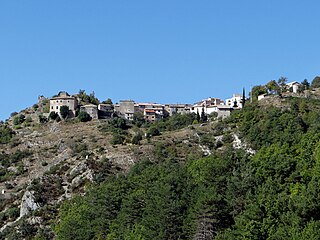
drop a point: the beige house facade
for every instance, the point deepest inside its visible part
(63, 99)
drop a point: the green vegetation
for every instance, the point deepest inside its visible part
(227, 195)
(53, 115)
(315, 82)
(6, 134)
(84, 117)
(88, 99)
(64, 111)
(19, 119)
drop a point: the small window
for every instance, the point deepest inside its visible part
(57, 107)
(57, 101)
(52, 107)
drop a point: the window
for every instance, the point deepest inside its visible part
(57, 107)
(52, 107)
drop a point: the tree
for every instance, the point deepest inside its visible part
(153, 131)
(84, 117)
(273, 87)
(53, 116)
(64, 111)
(305, 84)
(108, 101)
(315, 82)
(203, 116)
(243, 97)
(258, 90)
(198, 116)
(282, 83)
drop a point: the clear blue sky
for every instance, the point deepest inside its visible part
(167, 51)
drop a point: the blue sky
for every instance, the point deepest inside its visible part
(168, 51)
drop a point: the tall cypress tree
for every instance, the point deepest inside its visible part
(243, 97)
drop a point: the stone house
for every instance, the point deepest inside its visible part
(105, 110)
(126, 109)
(177, 108)
(64, 99)
(153, 114)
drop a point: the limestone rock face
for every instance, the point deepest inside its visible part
(28, 203)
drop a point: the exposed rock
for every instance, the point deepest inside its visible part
(28, 203)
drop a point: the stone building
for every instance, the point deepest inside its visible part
(105, 110)
(64, 99)
(91, 109)
(177, 108)
(126, 109)
(153, 114)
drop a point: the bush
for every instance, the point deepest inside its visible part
(315, 82)
(117, 139)
(53, 115)
(153, 131)
(84, 117)
(13, 114)
(43, 119)
(6, 134)
(13, 213)
(19, 119)
(136, 138)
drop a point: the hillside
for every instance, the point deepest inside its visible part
(254, 175)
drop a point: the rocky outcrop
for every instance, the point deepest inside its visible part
(28, 203)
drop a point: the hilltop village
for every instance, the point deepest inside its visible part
(150, 111)
(128, 108)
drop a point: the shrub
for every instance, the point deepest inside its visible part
(53, 115)
(117, 139)
(6, 134)
(153, 131)
(19, 119)
(84, 117)
(13, 114)
(13, 213)
(136, 138)
(43, 119)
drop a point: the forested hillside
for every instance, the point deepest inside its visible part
(229, 194)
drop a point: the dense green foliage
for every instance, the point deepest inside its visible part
(19, 119)
(273, 194)
(84, 117)
(64, 111)
(315, 82)
(6, 134)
